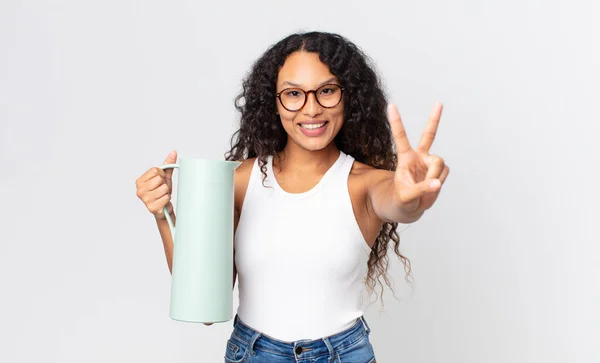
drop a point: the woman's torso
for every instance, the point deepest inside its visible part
(301, 257)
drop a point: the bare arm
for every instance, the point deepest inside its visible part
(383, 200)
(242, 176)
(167, 239)
(236, 219)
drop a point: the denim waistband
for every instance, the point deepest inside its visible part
(305, 348)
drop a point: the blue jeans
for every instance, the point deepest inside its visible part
(349, 346)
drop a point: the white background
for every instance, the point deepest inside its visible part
(92, 94)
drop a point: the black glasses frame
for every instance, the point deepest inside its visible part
(306, 93)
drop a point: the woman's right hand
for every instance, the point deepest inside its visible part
(154, 188)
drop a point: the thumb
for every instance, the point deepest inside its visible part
(171, 158)
(420, 189)
(427, 186)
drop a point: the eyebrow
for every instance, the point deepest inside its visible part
(332, 79)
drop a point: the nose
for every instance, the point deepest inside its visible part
(312, 107)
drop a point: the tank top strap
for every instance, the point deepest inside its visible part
(345, 167)
(339, 183)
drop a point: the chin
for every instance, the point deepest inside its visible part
(314, 145)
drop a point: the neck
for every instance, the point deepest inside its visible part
(304, 160)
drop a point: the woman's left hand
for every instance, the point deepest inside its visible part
(419, 176)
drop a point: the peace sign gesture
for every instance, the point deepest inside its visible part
(419, 176)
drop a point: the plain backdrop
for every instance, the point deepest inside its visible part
(506, 264)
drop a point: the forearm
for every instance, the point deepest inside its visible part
(386, 206)
(167, 239)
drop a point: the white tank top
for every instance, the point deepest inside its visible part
(301, 257)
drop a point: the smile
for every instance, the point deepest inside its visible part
(313, 126)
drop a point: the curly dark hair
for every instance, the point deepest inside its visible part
(365, 134)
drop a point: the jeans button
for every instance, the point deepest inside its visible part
(298, 350)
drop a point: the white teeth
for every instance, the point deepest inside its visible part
(312, 126)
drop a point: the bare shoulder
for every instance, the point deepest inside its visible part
(245, 168)
(366, 175)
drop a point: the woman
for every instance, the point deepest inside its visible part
(318, 198)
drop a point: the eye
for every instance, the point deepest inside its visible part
(292, 93)
(328, 90)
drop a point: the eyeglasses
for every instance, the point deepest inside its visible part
(328, 96)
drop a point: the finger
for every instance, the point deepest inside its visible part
(431, 129)
(152, 172)
(156, 207)
(435, 167)
(149, 174)
(412, 192)
(152, 196)
(155, 182)
(398, 131)
(429, 199)
(171, 159)
(444, 174)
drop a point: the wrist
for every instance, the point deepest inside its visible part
(162, 217)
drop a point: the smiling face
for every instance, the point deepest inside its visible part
(312, 127)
